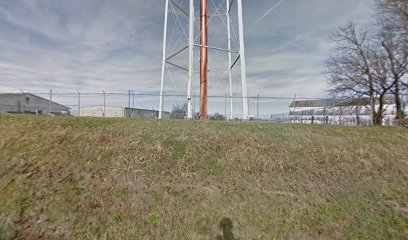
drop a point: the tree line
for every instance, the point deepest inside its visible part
(372, 61)
(179, 111)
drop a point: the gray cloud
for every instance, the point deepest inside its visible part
(116, 45)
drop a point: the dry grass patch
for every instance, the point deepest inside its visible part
(80, 178)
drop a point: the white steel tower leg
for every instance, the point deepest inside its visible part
(164, 58)
(190, 62)
(243, 67)
(229, 56)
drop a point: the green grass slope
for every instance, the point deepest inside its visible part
(81, 178)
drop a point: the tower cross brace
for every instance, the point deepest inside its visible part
(204, 47)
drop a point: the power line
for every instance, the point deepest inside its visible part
(125, 94)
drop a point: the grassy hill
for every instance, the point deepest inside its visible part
(82, 178)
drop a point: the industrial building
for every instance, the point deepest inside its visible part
(120, 112)
(351, 112)
(28, 103)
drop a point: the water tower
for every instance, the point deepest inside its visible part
(189, 55)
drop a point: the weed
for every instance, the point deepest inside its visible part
(38, 228)
(178, 147)
(97, 231)
(118, 217)
(154, 219)
(7, 232)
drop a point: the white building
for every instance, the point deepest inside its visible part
(102, 111)
(352, 112)
(119, 112)
(28, 103)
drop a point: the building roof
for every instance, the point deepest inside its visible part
(32, 95)
(121, 107)
(331, 103)
(101, 106)
(389, 99)
(142, 109)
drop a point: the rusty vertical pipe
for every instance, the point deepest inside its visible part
(203, 59)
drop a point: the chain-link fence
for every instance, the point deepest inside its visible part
(222, 107)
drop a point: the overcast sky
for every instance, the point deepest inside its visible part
(116, 45)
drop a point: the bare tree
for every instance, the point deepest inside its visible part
(392, 18)
(179, 111)
(395, 9)
(218, 117)
(359, 67)
(350, 74)
(383, 83)
(396, 51)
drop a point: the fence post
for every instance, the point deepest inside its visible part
(257, 107)
(341, 114)
(294, 111)
(104, 103)
(225, 107)
(79, 103)
(129, 99)
(50, 101)
(334, 111)
(133, 99)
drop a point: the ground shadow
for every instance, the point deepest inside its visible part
(226, 226)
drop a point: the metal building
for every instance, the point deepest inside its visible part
(28, 103)
(120, 112)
